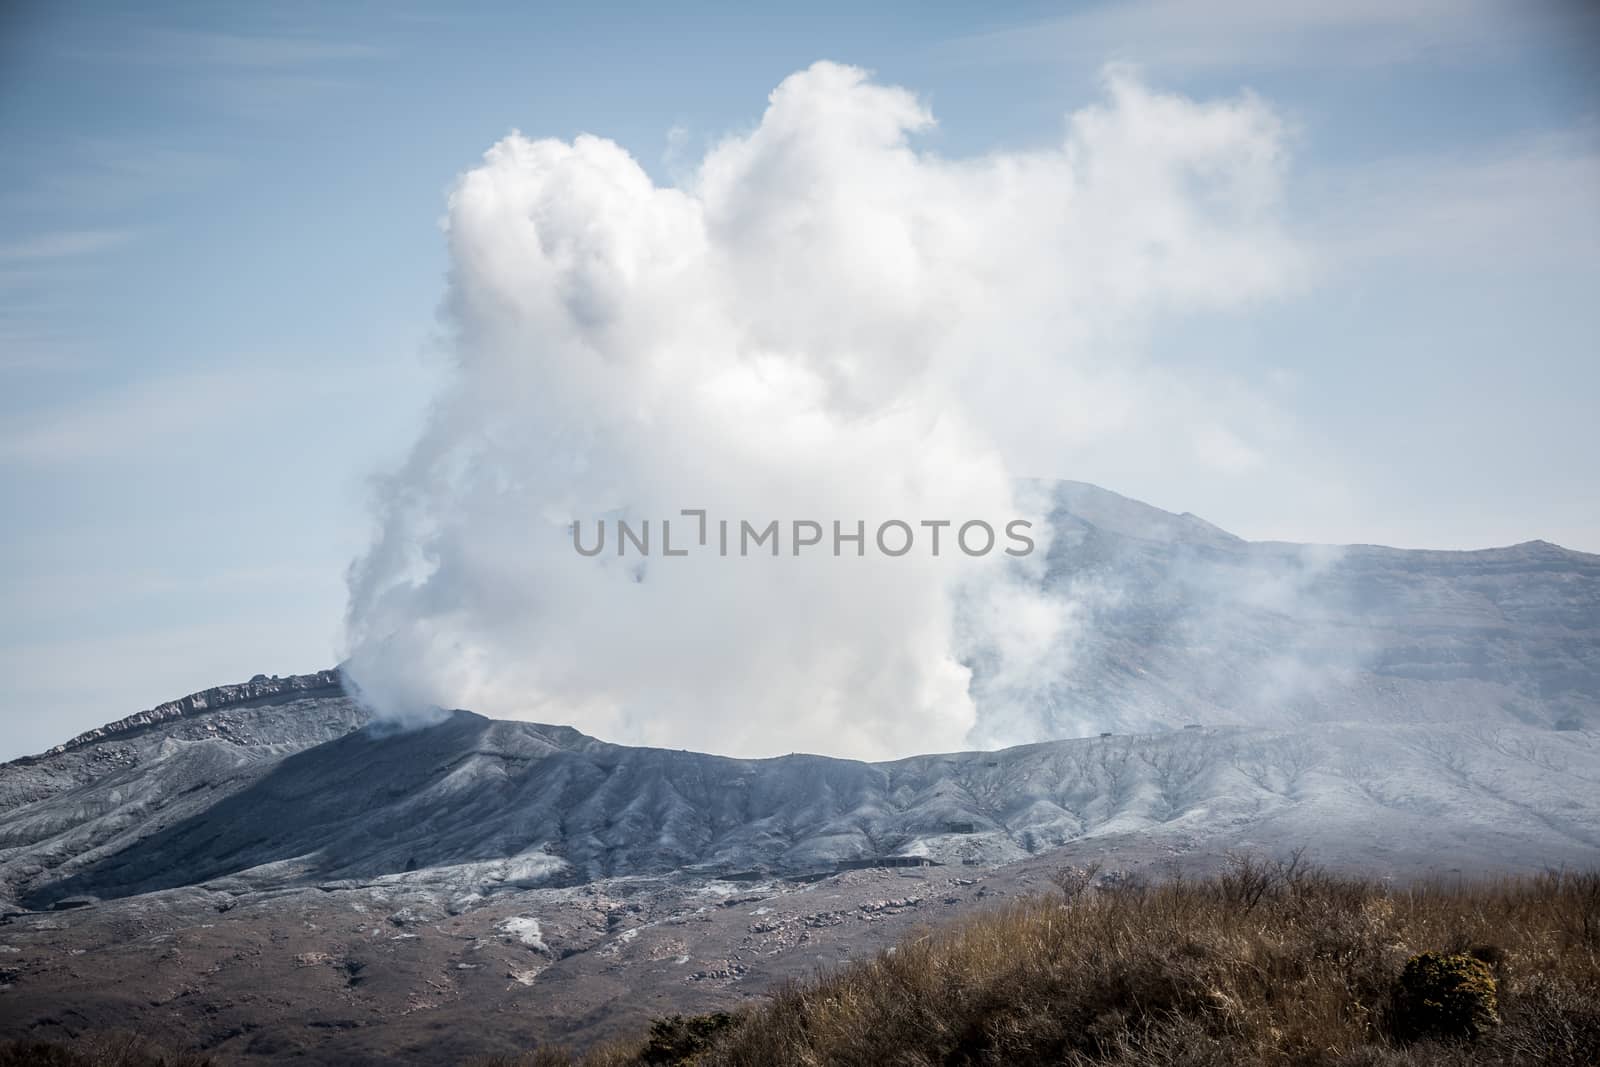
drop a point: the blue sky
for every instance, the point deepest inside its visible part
(220, 264)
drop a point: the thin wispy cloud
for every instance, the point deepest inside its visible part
(31, 262)
(268, 97)
(1236, 35)
(142, 420)
(178, 47)
(257, 50)
(248, 74)
(31, 347)
(1531, 200)
(130, 422)
(112, 182)
(62, 244)
(126, 168)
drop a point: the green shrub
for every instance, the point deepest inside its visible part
(1442, 995)
(679, 1039)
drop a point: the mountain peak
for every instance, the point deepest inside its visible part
(1123, 515)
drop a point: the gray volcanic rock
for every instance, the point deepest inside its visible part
(1338, 685)
(93, 753)
(485, 804)
(257, 689)
(114, 786)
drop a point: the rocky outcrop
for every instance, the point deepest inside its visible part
(261, 687)
(126, 779)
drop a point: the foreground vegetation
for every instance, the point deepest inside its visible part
(1267, 963)
(98, 1050)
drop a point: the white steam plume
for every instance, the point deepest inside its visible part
(823, 323)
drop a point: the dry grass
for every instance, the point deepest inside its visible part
(1265, 964)
(98, 1050)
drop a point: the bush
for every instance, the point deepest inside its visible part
(682, 1039)
(1441, 995)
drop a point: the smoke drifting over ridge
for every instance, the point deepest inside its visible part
(824, 323)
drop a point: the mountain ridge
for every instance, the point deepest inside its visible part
(1281, 653)
(259, 687)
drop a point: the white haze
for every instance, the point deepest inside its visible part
(823, 322)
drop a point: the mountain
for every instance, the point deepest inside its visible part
(104, 791)
(1181, 622)
(481, 803)
(262, 870)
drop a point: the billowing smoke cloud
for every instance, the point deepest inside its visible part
(824, 323)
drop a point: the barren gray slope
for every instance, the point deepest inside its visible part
(110, 788)
(467, 794)
(92, 754)
(1182, 622)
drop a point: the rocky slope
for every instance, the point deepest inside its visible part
(486, 804)
(1366, 684)
(108, 789)
(481, 886)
